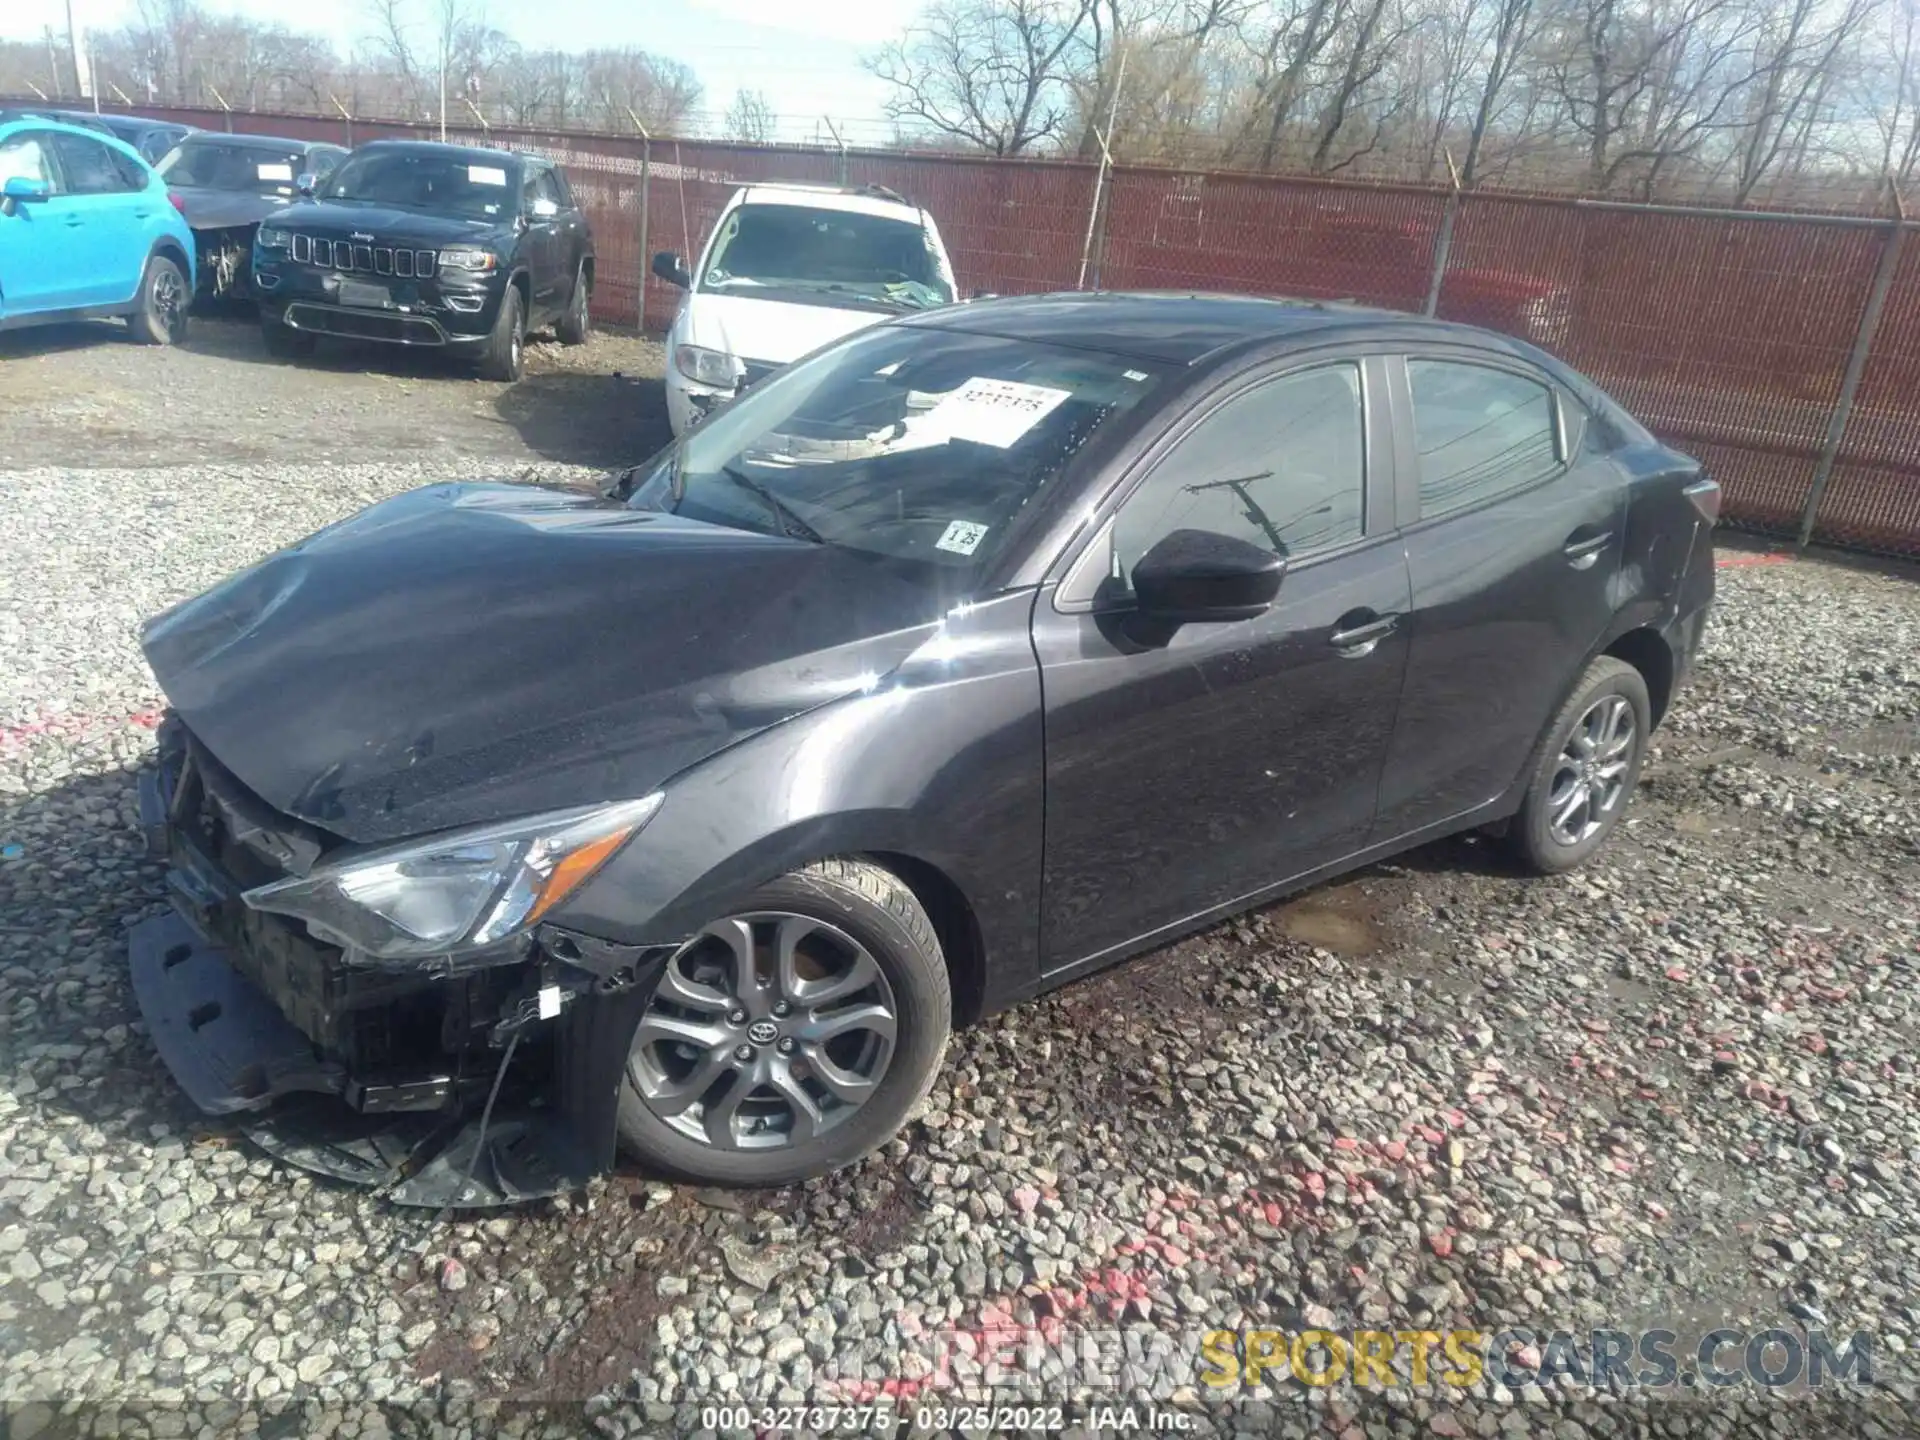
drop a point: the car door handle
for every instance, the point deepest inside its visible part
(1581, 552)
(1357, 640)
(75, 220)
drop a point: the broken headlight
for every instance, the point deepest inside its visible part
(455, 893)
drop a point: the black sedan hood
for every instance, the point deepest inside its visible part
(383, 222)
(221, 209)
(467, 653)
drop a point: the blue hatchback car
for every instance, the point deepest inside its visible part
(87, 229)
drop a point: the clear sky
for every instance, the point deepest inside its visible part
(803, 54)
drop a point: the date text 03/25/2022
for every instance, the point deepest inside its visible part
(882, 1418)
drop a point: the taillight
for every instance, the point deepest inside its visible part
(174, 200)
(1705, 495)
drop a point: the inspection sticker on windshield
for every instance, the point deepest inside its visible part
(275, 172)
(963, 537)
(993, 412)
(486, 175)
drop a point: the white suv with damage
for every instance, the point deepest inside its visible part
(787, 269)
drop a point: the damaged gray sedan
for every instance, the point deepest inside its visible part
(969, 655)
(225, 185)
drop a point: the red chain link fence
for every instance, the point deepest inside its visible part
(1731, 334)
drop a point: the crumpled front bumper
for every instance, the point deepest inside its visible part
(236, 1055)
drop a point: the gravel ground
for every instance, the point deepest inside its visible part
(1674, 1090)
(222, 399)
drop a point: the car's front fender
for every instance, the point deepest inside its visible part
(940, 761)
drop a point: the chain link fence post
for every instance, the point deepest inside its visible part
(646, 192)
(1443, 242)
(1102, 217)
(1856, 366)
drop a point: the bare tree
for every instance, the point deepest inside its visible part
(750, 117)
(1893, 99)
(393, 40)
(1510, 34)
(616, 84)
(1797, 53)
(29, 65)
(991, 73)
(1294, 41)
(1368, 49)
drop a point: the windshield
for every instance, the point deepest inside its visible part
(827, 253)
(214, 165)
(912, 443)
(421, 180)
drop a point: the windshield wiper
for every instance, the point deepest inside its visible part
(790, 524)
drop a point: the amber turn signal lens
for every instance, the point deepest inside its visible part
(574, 869)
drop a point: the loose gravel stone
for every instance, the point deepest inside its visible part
(1676, 1088)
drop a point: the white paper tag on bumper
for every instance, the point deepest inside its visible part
(549, 1001)
(963, 537)
(993, 412)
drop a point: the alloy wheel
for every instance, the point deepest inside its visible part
(1590, 779)
(767, 1030)
(165, 302)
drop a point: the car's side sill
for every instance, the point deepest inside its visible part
(31, 318)
(1498, 808)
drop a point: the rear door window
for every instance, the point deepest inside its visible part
(1480, 433)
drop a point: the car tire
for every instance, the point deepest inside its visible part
(286, 343)
(719, 1109)
(159, 314)
(1584, 769)
(505, 355)
(577, 322)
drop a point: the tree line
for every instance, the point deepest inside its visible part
(179, 52)
(1747, 100)
(1744, 99)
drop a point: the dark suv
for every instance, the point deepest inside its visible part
(420, 244)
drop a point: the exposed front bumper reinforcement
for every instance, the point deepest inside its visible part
(237, 1055)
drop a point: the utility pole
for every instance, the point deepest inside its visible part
(82, 67)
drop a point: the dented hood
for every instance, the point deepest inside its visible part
(468, 653)
(207, 209)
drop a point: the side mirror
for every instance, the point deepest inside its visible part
(306, 182)
(21, 187)
(672, 269)
(1196, 576)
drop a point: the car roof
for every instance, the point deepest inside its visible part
(1185, 328)
(130, 122)
(40, 120)
(1169, 327)
(436, 147)
(256, 142)
(831, 197)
